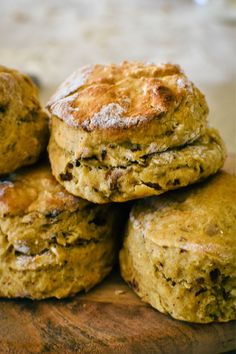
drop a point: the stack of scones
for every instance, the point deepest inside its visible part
(117, 133)
(52, 244)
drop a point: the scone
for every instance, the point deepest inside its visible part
(127, 131)
(51, 243)
(23, 123)
(179, 253)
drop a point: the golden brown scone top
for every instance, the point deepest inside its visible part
(34, 189)
(117, 97)
(200, 218)
(18, 90)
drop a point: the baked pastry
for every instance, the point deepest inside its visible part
(115, 128)
(179, 253)
(51, 243)
(23, 123)
(150, 175)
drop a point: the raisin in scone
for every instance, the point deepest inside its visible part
(120, 132)
(179, 252)
(23, 123)
(52, 244)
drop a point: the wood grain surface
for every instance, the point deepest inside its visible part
(109, 319)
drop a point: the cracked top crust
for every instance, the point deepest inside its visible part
(35, 190)
(129, 95)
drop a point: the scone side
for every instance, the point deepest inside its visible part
(152, 175)
(78, 268)
(52, 245)
(18, 154)
(24, 124)
(206, 296)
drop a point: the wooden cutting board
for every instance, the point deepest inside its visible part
(109, 319)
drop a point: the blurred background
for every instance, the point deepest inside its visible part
(50, 39)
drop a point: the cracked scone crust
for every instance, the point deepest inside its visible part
(118, 178)
(179, 253)
(51, 243)
(133, 102)
(23, 123)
